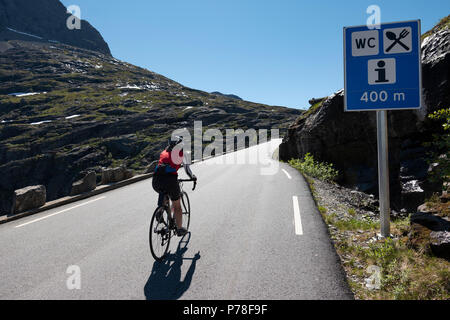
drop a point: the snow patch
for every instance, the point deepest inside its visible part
(40, 122)
(151, 86)
(23, 94)
(131, 87)
(73, 117)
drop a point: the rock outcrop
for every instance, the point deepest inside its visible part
(46, 20)
(88, 183)
(112, 175)
(349, 141)
(28, 198)
(430, 231)
(232, 96)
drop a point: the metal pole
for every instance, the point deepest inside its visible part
(383, 173)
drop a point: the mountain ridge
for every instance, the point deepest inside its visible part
(46, 19)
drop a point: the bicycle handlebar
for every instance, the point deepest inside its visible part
(189, 180)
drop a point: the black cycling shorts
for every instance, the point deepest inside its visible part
(167, 184)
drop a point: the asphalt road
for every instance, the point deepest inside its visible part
(252, 236)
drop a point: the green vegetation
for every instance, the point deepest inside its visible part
(435, 204)
(405, 273)
(312, 109)
(322, 210)
(316, 169)
(444, 23)
(441, 145)
(356, 224)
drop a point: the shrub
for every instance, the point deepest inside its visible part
(441, 144)
(316, 169)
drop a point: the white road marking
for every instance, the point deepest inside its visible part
(297, 218)
(54, 214)
(287, 174)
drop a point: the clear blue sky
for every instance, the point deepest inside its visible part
(277, 52)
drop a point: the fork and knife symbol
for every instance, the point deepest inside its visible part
(397, 40)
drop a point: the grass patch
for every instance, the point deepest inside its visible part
(435, 204)
(316, 169)
(356, 224)
(443, 23)
(403, 273)
(312, 109)
(322, 210)
(351, 212)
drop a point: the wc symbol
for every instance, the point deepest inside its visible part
(382, 71)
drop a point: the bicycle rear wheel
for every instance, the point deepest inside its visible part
(186, 209)
(159, 234)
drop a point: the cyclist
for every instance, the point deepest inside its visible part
(165, 179)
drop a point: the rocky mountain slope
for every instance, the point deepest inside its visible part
(232, 96)
(46, 20)
(66, 110)
(348, 140)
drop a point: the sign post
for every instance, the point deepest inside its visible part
(383, 172)
(383, 72)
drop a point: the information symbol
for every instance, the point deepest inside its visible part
(382, 71)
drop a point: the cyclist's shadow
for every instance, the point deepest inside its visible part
(165, 281)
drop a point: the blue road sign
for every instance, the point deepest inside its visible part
(383, 67)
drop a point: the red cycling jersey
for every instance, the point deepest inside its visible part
(166, 158)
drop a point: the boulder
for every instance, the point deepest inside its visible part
(430, 232)
(440, 243)
(313, 101)
(112, 175)
(88, 183)
(28, 198)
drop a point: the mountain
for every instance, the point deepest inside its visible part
(349, 139)
(66, 110)
(232, 96)
(46, 20)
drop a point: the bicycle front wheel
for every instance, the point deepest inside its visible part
(159, 234)
(186, 209)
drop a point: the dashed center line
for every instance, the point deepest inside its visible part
(287, 174)
(297, 217)
(54, 214)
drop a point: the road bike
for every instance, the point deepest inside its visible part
(163, 226)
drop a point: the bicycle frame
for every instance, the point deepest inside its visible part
(169, 228)
(167, 203)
